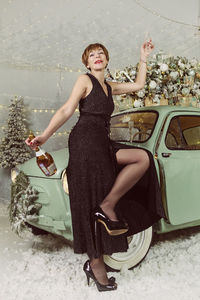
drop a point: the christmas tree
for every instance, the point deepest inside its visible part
(13, 149)
(23, 206)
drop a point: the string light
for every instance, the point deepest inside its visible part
(21, 15)
(163, 17)
(55, 134)
(45, 36)
(41, 67)
(19, 64)
(35, 110)
(39, 21)
(40, 99)
(3, 106)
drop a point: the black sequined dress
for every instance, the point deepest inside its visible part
(91, 172)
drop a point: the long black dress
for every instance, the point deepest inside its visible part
(91, 172)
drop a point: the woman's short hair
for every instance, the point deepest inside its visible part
(90, 48)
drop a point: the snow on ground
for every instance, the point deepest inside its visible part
(45, 268)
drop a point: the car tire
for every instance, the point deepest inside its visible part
(139, 245)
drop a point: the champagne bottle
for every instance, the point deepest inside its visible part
(44, 160)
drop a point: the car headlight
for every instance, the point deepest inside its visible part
(64, 182)
(14, 173)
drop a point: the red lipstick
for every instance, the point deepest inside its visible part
(98, 61)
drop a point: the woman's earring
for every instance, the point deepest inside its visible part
(109, 74)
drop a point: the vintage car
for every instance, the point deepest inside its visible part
(172, 134)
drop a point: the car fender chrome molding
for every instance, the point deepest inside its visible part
(65, 182)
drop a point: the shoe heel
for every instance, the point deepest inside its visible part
(112, 227)
(88, 279)
(101, 287)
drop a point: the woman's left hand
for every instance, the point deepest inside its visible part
(146, 49)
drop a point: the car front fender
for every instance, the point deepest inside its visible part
(31, 168)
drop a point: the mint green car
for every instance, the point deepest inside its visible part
(172, 134)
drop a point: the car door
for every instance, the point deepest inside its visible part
(178, 155)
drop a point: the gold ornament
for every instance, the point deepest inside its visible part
(163, 101)
(198, 75)
(148, 101)
(185, 101)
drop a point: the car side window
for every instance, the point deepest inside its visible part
(183, 133)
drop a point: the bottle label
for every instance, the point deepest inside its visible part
(51, 168)
(44, 169)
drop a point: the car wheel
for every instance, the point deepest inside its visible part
(139, 245)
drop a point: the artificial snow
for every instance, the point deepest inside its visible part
(46, 268)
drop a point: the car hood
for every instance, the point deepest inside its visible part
(31, 168)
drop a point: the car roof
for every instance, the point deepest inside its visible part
(161, 108)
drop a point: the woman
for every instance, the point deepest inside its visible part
(100, 172)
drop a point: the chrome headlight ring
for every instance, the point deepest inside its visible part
(64, 182)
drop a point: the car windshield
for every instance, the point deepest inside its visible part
(133, 126)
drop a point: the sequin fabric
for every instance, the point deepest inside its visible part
(91, 172)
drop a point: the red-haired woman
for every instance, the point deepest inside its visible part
(100, 219)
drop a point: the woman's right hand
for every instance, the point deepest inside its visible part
(37, 141)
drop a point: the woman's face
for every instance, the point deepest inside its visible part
(97, 60)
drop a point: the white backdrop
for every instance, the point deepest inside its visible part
(48, 32)
(42, 43)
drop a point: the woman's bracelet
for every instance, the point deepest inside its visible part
(143, 61)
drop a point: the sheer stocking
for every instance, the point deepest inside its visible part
(136, 163)
(99, 270)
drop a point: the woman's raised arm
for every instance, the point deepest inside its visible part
(129, 87)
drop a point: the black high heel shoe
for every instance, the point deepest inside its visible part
(112, 227)
(111, 286)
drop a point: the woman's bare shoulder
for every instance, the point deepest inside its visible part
(83, 78)
(82, 82)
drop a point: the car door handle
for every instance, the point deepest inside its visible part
(166, 154)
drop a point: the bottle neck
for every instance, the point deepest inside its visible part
(39, 151)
